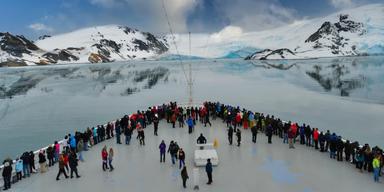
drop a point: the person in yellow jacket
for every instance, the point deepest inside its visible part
(376, 168)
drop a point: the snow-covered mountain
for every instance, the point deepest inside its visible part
(96, 44)
(357, 31)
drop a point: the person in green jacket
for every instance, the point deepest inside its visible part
(376, 167)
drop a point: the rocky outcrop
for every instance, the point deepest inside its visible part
(329, 36)
(154, 44)
(44, 37)
(272, 54)
(60, 55)
(97, 44)
(16, 45)
(97, 58)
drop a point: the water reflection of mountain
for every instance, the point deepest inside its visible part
(279, 66)
(337, 76)
(100, 76)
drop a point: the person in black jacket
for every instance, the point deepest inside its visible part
(347, 150)
(32, 168)
(42, 162)
(184, 176)
(269, 132)
(308, 134)
(254, 134)
(339, 148)
(7, 173)
(118, 131)
(238, 135)
(201, 139)
(25, 158)
(155, 124)
(208, 169)
(172, 150)
(73, 162)
(230, 134)
(50, 155)
(181, 158)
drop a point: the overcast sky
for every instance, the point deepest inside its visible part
(33, 18)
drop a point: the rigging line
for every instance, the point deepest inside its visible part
(173, 40)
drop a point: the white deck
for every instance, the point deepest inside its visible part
(250, 167)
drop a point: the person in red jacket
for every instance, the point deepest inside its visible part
(294, 127)
(173, 120)
(316, 138)
(238, 119)
(66, 160)
(104, 157)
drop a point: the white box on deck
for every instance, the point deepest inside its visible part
(204, 152)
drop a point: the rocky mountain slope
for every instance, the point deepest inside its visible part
(97, 44)
(351, 32)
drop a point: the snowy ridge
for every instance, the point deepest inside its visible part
(357, 31)
(96, 44)
(112, 42)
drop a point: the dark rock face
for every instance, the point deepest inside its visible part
(98, 58)
(105, 47)
(140, 45)
(44, 37)
(157, 45)
(61, 55)
(325, 29)
(104, 50)
(16, 45)
(328, 35)
(127, 30)
(257, 53)
(264, 54)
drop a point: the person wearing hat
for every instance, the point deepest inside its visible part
(7, 173)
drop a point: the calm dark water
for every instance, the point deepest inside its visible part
(40, 104)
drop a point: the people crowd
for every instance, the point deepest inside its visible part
(69, 152)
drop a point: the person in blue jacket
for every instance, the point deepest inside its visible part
(72, 143)
(208, 169)
(333, 145)
(19, 168)
(190, 124)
